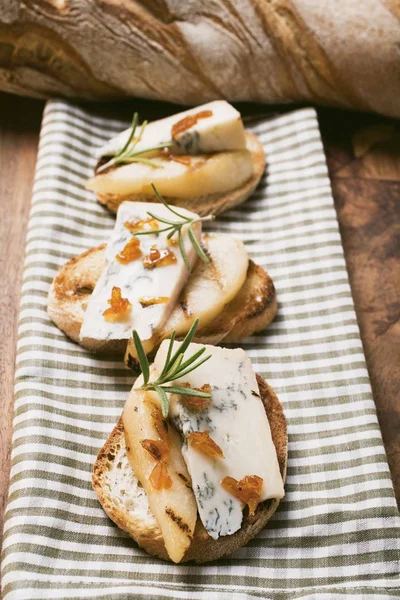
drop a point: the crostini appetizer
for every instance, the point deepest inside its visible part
(157, 274)
(195, 467)
(201, 159)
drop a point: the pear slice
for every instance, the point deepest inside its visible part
(181, 177)
(209, 288)
(173, 506)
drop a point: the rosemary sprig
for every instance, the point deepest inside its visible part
(176, 227)
(174, 368)
(128, 155)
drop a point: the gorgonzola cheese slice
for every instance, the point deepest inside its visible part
(237, 422)
(139, 285)
(221, 130)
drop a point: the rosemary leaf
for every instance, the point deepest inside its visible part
(161, 199)
(182, 391)
(173, 369)
(163, 219)
(193, 358)
(140, 159)
(177, 227)
(127, 154)
(163, 398)
(178, 214)
(189, 369)
(139, 137)
(188, 338)
(143, 360)
(152, 149)
(183, 251)
(169, 352)
(200, 252)
(151, 231)
(135, 120)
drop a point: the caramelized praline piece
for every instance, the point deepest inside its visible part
(196, 403)
(119, 307)
(189, 121)
(201, 441)
(158, 449)
(150, 301)
(159, 258)
(247, 490)
(131, 251)
(142, 225)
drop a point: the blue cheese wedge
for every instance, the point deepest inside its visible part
(151, 292)
(237, 422)
(212, 127)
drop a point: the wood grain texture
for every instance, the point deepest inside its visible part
(19, 133)
(363, 154)
(269, 51)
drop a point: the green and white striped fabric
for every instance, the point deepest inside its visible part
(336, 534)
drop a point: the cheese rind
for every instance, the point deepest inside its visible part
(135, 281)
(223, 130)
(237, 422)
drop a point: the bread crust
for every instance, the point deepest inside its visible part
(253, 308)
(212, 204)
(69, 294)
(203, 548)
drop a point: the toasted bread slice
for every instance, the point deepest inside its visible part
(125, 501)
(212, 204)
(251, 310)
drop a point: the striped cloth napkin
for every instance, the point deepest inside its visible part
(336, 534)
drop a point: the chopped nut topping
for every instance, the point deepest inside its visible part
(158, 258)
(148, 301)
(158, 449)
(142, 225)
(159, 477)
(201, 441)
(247, 490)
(119, 307)
(189, 121)
(131, 251)
(196, 403)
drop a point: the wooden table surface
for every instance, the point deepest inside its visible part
(363, 154)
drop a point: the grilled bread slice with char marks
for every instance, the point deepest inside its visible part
(250, 310)
(209, 204)
(125, 501)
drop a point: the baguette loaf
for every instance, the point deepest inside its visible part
(342, 53)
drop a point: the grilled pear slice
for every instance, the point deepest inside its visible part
(178, 178)
(168, 490)
(209, 288)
